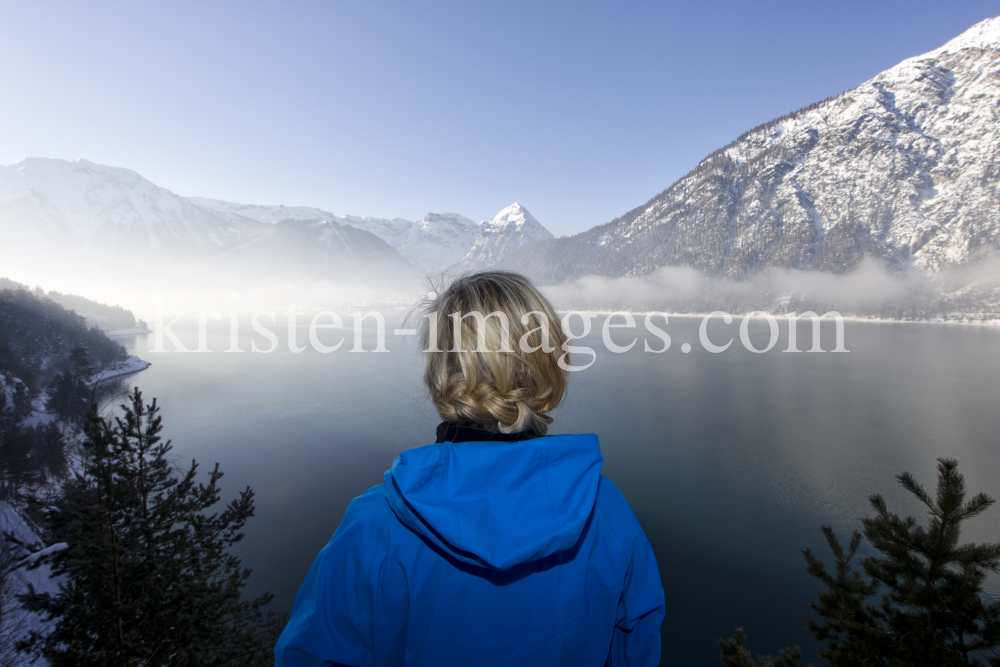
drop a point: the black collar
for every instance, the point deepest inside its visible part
(463, 432)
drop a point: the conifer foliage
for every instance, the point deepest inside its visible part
(931, 609)
(917, 599)
(69, 396)
(148, 576)
(736, 654)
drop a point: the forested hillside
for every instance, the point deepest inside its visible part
(48, 356)
(95, 313)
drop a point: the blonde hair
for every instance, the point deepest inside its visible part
(474, 373)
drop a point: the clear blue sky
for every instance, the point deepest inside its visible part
(578, 110)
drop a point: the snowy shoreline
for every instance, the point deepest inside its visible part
(131, 364)
(135, 331)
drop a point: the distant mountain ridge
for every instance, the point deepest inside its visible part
(110, 212)
(51, 201)
(93, 212)
(902, 168)
(435, 243)
(238, 214)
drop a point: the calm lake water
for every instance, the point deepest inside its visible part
(731, 461)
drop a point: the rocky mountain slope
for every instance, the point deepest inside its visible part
(904, 169)
(509, 230)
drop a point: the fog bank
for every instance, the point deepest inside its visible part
(968, 292)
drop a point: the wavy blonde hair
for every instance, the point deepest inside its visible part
(493, 343)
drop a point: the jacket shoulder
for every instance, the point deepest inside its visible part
(617, 514)
(329, 618)
(611, 500)
(365, 517)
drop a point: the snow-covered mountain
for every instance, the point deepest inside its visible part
(904, 168)
(269, 214)
(318, 249)
(433, 243)
(96, 207)
(102, 212)
(109, 213)
(304, 241)
(509, 230)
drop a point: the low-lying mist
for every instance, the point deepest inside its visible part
(143, 284)
(961, 293)
(969, 292)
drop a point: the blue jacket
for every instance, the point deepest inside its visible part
(483, 553)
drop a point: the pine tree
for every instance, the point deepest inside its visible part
(17, 469)
(736, 654)
(931, 610)
(148, 576)
(69, 396)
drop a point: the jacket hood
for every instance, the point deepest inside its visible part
(498, 504)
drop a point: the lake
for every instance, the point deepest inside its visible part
(731, 461)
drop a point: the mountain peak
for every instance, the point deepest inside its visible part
(510, 229)
(514, 208)
(984, 34)
(517, 216)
